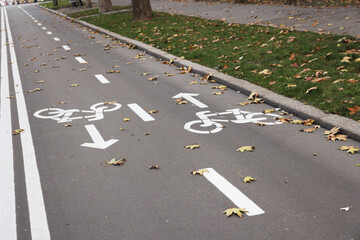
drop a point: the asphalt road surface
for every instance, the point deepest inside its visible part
(55, 183)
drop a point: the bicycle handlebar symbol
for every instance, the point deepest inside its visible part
(62, 115)
(215, 126)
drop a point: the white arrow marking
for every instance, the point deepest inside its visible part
(232, 193)
(98, 141)
(190, 98)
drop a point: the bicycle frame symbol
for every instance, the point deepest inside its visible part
(215, 125)
(63, 116)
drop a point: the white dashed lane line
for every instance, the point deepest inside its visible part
(44, 28)
(67, 48)
(102, 79)
(232, 193)
(56, 39)
(49, 33)
(81, 60)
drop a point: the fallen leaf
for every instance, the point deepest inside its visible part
(349, 149)
(265, 72)
(354, 110)
(332, 131)
(283, 119)
(339, 137)
(269, 111)
(245, 149)
(81, 69)
(192, 146)
(200, 171)
(67, 125)
(110, 103)
(64, 102)
(152, 78)
(217, 93)
(112, 71)
(74, 85)
(310, 130)
(17, 131)
(261, 124)
(154, 167)
(116, 162)
(153, 111)
(310, 89)
(34, 90)
(147, 133)
(193, 82)
(308, 122)
(346, 59)
(126, 119)
(144, 74)
(253, 95)
(292, 56)
(345, 209)
(291, 85)
(41, 81)
(237, 211)
(297, 122)
(248, 179)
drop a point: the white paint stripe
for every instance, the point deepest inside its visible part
(39, 24)
(7, 185)
(56, 39)
(233, 193)
(49, 33)
(66, 47)
(81, 60)
(37, 214)
(36, 21)
(32, 18)
(102, 79)
(44, 28)
(141, 112)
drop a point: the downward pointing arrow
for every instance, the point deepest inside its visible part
(98, 141)
(190, 98)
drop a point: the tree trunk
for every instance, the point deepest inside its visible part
(105, 6)
(88, 4)
(141, 10)
(55, 2)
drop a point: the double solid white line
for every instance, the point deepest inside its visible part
(37, 214)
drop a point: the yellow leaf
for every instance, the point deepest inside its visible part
(297, 122)
(192, 146)
(357, 60)
(334, 130)
(116, 162)
(349, 149)
(34, 90)
(269, 111)
(346, 59)
(291, 85)
(126, 119)
(245, 149)
(339, 137)
(200, 171)
(308, 122)
(217, 93)
(253, 95)
(152, 78)
(74, 85)
(153, 111)
(249, 179)
(237, 211)
(310, 89)
(17, 131)
(265, 72)
(193, 82)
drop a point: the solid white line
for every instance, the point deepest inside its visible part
(66, 47)
(81, 60)
(44, 28)
(7, 185)
(101, 78)
(56, 39)
(232, 193)
(141, 112)
(49, 33)
(37, 214)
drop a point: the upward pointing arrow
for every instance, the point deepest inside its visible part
(98, 141)
(190, 98)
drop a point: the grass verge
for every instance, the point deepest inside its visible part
(61, 4)
(284, 61)
(94, 11)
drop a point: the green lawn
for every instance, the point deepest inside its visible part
(94, 11)
(61, 4)
(287, 62)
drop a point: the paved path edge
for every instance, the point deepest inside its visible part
(347, 126)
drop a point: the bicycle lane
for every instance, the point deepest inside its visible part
(166, 140)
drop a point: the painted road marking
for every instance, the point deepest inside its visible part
(37, 214)
(49, 33)
(141, 112)
(232, 193)
(44, 28)
(190, 98)
(32, 18)
(98, 141)
(39, 24)
(81, 60)
(56, 39)
(7, 185)
(102, 79)
(36, 21)
(66, 47)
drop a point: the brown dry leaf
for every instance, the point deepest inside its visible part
(181, 101)
(292, 56)
(128, 63)
(17, 131)
(192, 146)
(200, 172)
(110, 103)
(332, 131)
(193, 82)
(81, 69)
(310, 130)
(291, 85)
(34, 90)
(115, 162)
(253, 95)
(354, 110)
(339, 137)
(310, 90)
(243, 104)
(154, 167)
(112, 71)
(152, 78)
(283, 119)
(261, 124)
(308, 122)
(67, 125)
(238, 211)
(41, 81)
(64, 102)
(217, 93)
(153, 111)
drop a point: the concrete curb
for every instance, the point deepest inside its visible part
(347, 126)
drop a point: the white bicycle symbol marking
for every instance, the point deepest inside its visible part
(215, 126)
(62, 115)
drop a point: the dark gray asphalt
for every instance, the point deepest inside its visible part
(301, 194)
